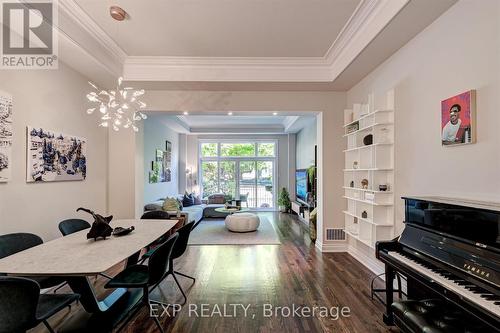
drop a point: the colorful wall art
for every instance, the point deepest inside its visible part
(5, 136)
(458, 119)
(53, 156)
(161, 166)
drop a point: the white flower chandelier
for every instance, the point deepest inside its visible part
(120, 108)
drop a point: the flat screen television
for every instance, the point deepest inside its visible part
(301, 185)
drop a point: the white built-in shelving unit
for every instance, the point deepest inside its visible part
(369, 216)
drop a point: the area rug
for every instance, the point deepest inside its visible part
(214, 232)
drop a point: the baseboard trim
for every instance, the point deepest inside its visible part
(337, 246)
(369, 262)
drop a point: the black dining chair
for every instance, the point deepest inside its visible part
(71, 226)
(179, 249)
(22, 307)
(155, 215)
(17, 242)
(146, 277)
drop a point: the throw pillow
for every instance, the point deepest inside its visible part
(216, 199)
(171, 205)
(188, 200)
(197, 199)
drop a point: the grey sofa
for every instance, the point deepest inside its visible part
(195, 213)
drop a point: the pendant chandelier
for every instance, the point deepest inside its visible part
(120, 108)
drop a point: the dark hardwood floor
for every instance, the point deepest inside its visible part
(280, 275)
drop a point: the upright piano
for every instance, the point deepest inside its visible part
(449, 249)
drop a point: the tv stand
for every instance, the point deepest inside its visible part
(302, 210)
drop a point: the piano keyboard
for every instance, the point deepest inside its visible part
(474, 294)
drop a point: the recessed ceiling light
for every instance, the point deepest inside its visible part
(185, 113)
(275, 113)
(229, 113)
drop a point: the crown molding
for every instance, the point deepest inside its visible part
(367, 21)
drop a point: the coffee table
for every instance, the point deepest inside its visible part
(231, 211)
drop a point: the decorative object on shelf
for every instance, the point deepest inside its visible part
(356, 110)
(351, 184)
(355, 220)
(368, 140)
(352, 127)
(369, 196)
(120, 231)
(5, 136)
(284, 202)
(119, 108)
(364, 214)
(458, 117)
(355, 164)
(383, 187)
(364, 184)
(53, 156)
(365, 109)
(168, 146)
(312, 225)
(100, 226)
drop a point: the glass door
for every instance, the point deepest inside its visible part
(247, 183)
(227, 178)
(265, 184)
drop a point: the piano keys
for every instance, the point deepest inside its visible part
(451, 249)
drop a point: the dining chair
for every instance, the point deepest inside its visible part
(22, 307)
(155, 215)
(178, 250)
(146, 277)
(71, 226)
(17, 242)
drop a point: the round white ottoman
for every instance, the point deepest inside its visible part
(242, 222)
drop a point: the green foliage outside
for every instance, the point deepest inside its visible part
(238, 149)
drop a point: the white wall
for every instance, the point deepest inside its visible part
(53, 100)
(155, 135)
(458, 52)
(306, 140)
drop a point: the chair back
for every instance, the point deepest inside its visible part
(159, 259)
(155, 215)
(182, 241)
(18, 304)
(17, 242)
(71, 226)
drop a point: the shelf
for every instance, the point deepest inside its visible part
(366, 190)
(368, 201)
(368, 220)
(369, 169)
(368, 146)
(367, 127)
(366, 116)
(356, 237)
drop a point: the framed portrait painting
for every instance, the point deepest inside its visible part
(458, 119)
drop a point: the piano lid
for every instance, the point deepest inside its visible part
(473, 221)
(494, 206)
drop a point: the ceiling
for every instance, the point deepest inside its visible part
(239, 45)
(224, 28)
(237, 123)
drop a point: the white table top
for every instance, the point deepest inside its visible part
(76, 256)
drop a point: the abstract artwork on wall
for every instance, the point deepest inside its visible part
(53, 156)
(5, 136)
(458, 114)
(161, 167)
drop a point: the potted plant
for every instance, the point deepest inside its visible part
(284, 202)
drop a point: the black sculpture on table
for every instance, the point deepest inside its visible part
(100, 226)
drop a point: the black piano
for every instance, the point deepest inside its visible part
(449, 249)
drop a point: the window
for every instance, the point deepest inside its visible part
(241, 170)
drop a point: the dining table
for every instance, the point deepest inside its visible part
(77, 258)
